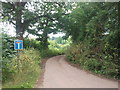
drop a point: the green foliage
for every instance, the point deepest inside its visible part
(29, 64)
(59, 44)
(57, 47)
(31, 43)
(8, 53)
(49, 53)
(29, 70)
(19, 15)
(93, 28)
(95, 32)
(48, 15)
(80, 54)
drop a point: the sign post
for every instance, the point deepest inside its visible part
(18, 45)
(18, 62)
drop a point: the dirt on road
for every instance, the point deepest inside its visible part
(60, 74)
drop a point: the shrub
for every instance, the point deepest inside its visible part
(8, 53)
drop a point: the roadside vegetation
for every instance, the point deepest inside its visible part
(30, 61)
(30, 69)
(99, 64)
(91, 39)
(95, 33)
(56, 46)
(29, 73)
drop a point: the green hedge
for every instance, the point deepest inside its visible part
(80, 54)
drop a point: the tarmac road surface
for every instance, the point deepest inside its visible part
(60, 74)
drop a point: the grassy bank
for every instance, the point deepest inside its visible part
(29, 70)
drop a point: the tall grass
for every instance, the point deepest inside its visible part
(29, 70)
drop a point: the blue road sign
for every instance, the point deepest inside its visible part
(18, 44)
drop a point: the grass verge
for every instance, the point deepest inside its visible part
(29, 70)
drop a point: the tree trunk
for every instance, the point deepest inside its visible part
(45, 40)
(19, 25)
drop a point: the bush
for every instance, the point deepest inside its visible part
(8, 53)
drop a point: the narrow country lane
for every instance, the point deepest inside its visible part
(59, 74)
